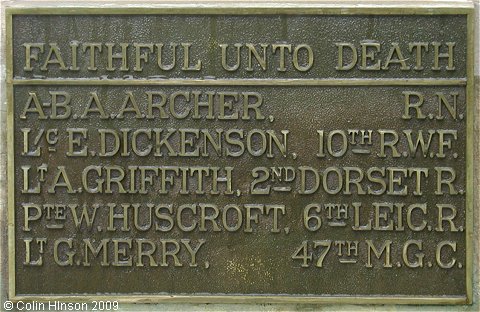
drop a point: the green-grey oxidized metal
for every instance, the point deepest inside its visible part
(223, 155)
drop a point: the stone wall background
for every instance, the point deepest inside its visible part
(246, 307)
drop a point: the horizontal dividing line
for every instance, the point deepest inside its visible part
(54, 226)
(282, 188)
(348, 261)
(245, 82)
(215, 298)
(360, 151)
(261, 8)
(337, 224)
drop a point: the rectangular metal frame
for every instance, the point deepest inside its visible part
(238, 9)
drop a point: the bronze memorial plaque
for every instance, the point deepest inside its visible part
(235, 154)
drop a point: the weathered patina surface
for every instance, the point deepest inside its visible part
(299, 173)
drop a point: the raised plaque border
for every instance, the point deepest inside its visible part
(268, 8)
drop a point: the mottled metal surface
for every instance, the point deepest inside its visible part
(260, 262)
